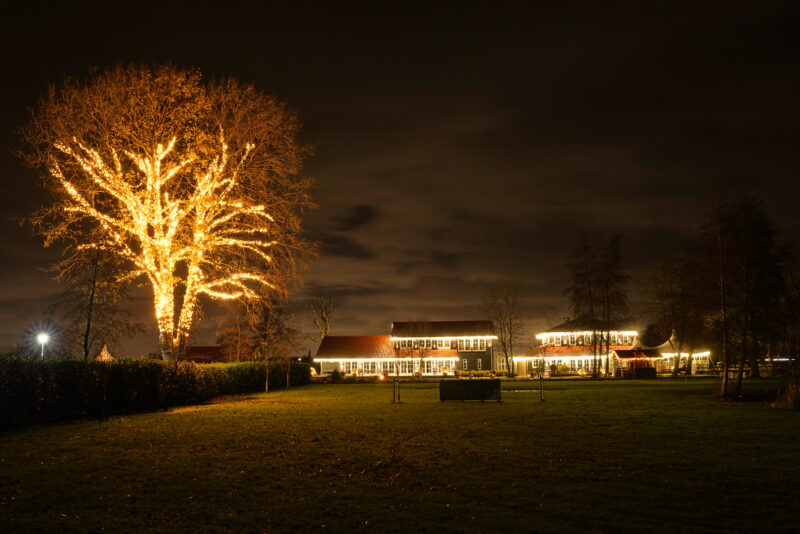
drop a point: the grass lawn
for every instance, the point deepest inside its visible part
(596, 456)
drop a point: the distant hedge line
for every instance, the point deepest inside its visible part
(34, 392)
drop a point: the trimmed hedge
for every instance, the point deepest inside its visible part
(34, 392)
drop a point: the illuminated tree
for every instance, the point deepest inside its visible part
(191, 186)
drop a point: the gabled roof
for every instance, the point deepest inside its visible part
(585, 324)
(442, 328)
(356, 347)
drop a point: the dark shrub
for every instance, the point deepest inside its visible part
(38, 392)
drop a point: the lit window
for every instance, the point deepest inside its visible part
(482, 344)
(461, 345)
(572, 339)
(557, 340)
(464, 364)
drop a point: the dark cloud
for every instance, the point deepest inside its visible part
(339, 245)
(341, 292)
(359, 216)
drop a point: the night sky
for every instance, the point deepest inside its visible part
(455, 146)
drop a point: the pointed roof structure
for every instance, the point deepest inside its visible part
(104, 355)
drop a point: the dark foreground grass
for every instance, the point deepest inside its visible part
(596, 456)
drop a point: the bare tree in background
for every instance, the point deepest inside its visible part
(679, 304)
(501, 306)
(233, 331)
(89, 307)
(275, 337)
(322, 314)
(191, 187)
(611, 280)
(583, 292)
(596, 292)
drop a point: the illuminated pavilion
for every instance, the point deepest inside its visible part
(427, 348)
(575, 346)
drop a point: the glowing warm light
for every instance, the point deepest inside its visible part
(442, 337)
(42, 338)
(362, 360)
(686, 354)
(544, 335)
(183, 224)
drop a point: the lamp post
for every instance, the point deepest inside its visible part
(42, 338)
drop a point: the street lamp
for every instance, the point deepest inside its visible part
(42, 339)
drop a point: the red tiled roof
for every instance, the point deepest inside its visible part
(356, 347)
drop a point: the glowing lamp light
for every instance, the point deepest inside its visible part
(42, 338)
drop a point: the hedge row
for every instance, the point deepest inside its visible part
(34, 392)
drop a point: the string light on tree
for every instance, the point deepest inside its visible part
(194, 190)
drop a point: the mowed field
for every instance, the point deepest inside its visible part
(661, 455)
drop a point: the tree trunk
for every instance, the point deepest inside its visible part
(745, 332)
(165, 345)
(755, 372)
(724, 310)
(90, 308)
(676, 355)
